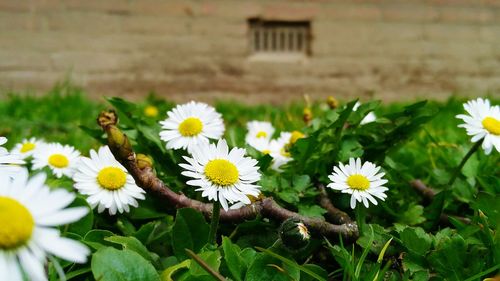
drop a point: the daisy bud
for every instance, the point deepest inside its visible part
(307, 115)
(332, 102)
(151, 111)
(143, 161)
(118, 139)
(294, 234)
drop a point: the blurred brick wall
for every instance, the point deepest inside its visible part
(199, 49)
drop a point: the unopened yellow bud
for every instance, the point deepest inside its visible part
(143, 161)
(151, 111)
(307, 115)
(332, 102)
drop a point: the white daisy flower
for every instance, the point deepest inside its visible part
(280, 154)
(363, 182)
(29, 214)
(483, 122)
(9, 163)
(61, 159)
(107, 183)
(191, 124)
(258, 131)
(222, 175)
(27, 147)
(3, 140)
(370, 117)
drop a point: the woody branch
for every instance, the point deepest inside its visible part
(140, 167)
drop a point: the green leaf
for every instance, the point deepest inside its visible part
(311, 211)
(413, 215)
(110, 264)
(96, 238)
(265, 267)
(289, 196)
(234, 262)
(300, 183)
(211, 258)
(166, 275)
(450, 258)
(318, 270)
(131, 243)
(292, 264)
(416, 240)
(190, 231)
(490, 205)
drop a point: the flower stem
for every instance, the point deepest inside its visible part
(462, 163)
(212, 236)
(360, 213)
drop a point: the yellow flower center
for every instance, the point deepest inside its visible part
(16, 224)
(112, 178)
(492, 125)
(151, 111)
(266, 151)
(296, 135)
(190, 127)
(58, 160)
(261, 134)
(358, 182)
(221, 172)
(27, 147)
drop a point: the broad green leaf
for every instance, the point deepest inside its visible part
(265, 267)
(234, 262)
(131, 243)
(291, 264)
(416, 240)
(166, 275)
(190, 231)
(450, 258)
(211, 258)
(311, 211)
(110, 264)
(96, 238)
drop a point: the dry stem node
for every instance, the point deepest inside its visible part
(142, 171)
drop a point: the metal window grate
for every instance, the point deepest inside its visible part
(271, 36)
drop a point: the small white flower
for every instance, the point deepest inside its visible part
(106, 182)
(29, 214)
(483, 122)
(61, 159)
(363, 182)
(370, 117)
(9, 163)
(222, 175)
(191, 124)
(279, 151)
(258, 131)
(27, 147)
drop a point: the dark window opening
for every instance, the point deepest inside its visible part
(276, 36)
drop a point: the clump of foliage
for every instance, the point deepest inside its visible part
(451, 233)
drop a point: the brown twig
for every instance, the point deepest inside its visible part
(142, 171)
(335, 215)
(429, 194)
